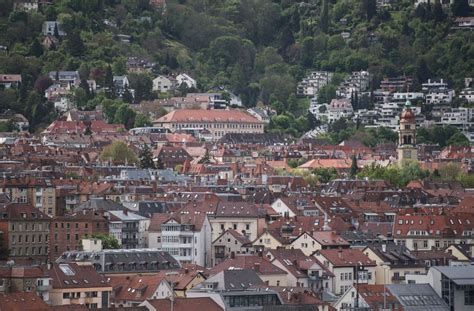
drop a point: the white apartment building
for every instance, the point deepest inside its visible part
(340, 108)
(311, 85)
(129, 228)
(467, 94)
(357, 82)
(434, 85)
(404, 96)
(460, 118)
(349, 266)
(439, 96)
(187, 237)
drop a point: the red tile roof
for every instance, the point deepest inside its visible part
(346, 257)
(329, 238)
(136, 287)
(186, 304)
(198, 115)
(327, 163)
(22, 302)
(376, 295)
(7, 78)
(251, 262)
(71, 275)
(429, 226)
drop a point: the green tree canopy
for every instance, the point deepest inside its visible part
(108, 241)
(118, 152)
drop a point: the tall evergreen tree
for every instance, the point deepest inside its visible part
(370, 7)
(354, 167)
(206, 158)
(324, 22)
(109, 82)
(36, 48)
(312, 121)
(127, 96)
(86, 88)
(438, 13)
(460, 8)
(74, 44)
(56, 31)
(146, 158)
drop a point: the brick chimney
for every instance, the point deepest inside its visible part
(256, 267)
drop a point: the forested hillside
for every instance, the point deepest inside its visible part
(258, 49)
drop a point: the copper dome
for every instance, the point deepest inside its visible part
(407, 115)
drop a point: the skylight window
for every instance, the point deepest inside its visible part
(66, 269)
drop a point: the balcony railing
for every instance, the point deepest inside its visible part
(317, 277)
(43, 287)
(398, 278)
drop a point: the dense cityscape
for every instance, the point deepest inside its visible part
(236, 155)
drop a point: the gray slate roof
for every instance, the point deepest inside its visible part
(417, 297)
(461, 275)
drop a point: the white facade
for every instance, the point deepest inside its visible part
(184, 242)
(340, 108)
(345, 277)
(281, 208)
(163, 84)
(407, 95)
(467, 94)
(184, 78)
(129, 228)
(440, 96)
(311, 85)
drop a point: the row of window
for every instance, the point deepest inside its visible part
(219, 125)
(27, 238)
(76, 225)
(29, 227)
(234, 226)
(20, 251)
(74, 295)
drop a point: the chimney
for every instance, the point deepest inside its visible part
(256, 267)
(186, 271)
(339, 254)
(232, 255)
(384, 248)
(125, 212)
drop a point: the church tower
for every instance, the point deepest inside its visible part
(407, 149)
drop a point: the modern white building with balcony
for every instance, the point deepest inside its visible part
(187, 237)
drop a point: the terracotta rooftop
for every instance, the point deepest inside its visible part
(197, 115)
(346, 257)
(186, 304)
(252, 262)
(22, 302)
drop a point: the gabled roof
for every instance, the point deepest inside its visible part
(72, 275)
(186, 304)
(329, 238)
(417, 297)
(346, 257)
(198, 115)
(242, 239)
(251, 262)
(136, 287)
(23, 301)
